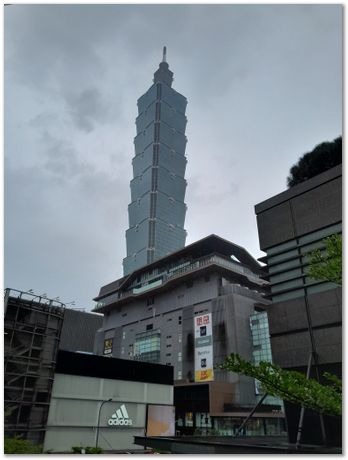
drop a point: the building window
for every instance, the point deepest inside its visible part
(150, 301)
(123, 335)
(169, 336)
(122, 350)
(179, 356)
(168, 354)
(168, 364)
(170, 319)
(179, 374)
(169, 346)
(179, 338)
(179, 320)
(189, 419)
(149, 327)
(147, 346)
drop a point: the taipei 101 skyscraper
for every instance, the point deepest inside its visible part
(157, 209)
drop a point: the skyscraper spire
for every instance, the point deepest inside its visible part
(163, 74)
(164, 54)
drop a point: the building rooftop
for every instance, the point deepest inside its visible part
(203, 254)
(88, 365)
(298, 189)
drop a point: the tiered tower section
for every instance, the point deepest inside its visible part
(157, 209)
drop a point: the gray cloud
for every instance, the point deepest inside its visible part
(263, 84)
(87, 108)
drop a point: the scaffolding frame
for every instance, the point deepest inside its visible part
(32, 327)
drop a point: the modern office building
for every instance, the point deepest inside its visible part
(305, 318)
(35, 329)
(189, 310)
(157, 209)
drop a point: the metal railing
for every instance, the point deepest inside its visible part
(213, 259)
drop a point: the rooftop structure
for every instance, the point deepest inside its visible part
(203, 255)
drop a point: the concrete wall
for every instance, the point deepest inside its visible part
(74, 407)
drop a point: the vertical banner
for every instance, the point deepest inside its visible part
(204, 371)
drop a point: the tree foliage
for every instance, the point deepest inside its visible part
(291, 386)
(327, 265)
(324, 156)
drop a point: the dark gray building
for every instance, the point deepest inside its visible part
(305, 317)
(79, 329)
(32, 327)
(150, 315)
(157, 209)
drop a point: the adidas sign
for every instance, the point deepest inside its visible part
(120, 417)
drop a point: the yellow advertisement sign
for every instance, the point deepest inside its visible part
(204, 375)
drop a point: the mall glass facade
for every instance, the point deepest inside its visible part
(157, 209)
(262, 351)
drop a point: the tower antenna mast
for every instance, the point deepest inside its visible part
(164, 54)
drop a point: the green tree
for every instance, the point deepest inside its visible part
(324, 156)
(327, 265)
(291, 386)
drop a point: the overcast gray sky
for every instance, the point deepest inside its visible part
(263, 85)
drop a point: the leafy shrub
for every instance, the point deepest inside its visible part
(94, 450)
(17, 445)
(88, 450)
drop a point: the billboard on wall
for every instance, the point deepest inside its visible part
(160, 420)
(204, 371)
(107, 347)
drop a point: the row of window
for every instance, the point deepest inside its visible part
(287, 264)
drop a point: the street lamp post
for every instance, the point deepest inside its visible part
(97, 435)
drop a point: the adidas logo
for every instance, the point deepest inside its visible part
(120, 417)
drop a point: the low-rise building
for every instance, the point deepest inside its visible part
(104, 402)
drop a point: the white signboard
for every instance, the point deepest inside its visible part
(204, 371)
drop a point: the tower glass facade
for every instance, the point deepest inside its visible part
(157, 209)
